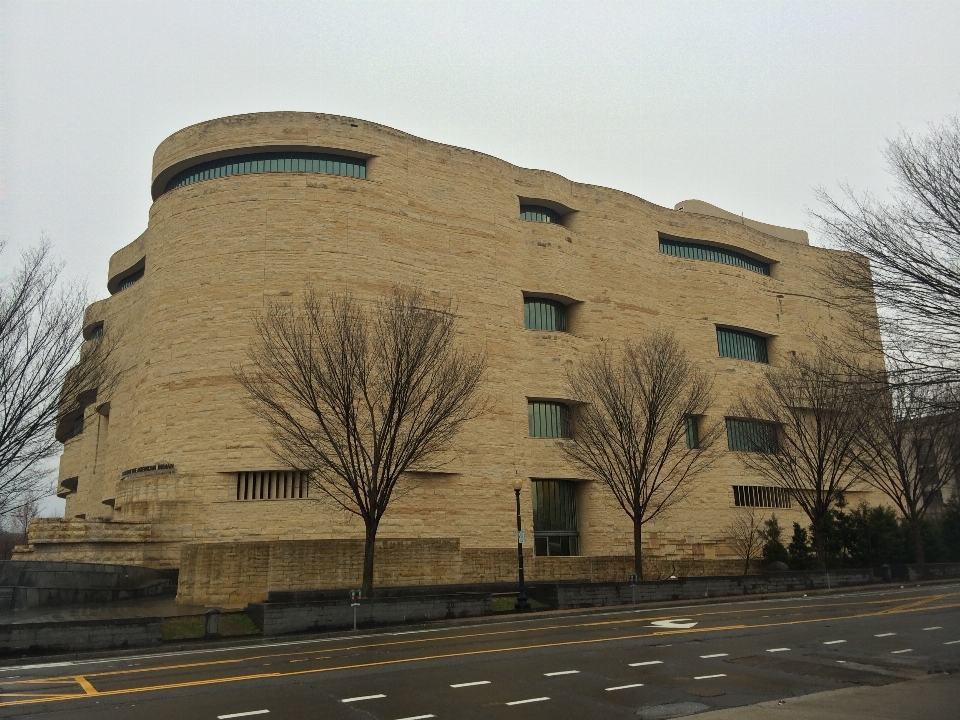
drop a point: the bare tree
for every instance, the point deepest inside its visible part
(640, 427)
(21, 518)
(912, 244)
(746, 535)
(802, 431)
(357, 397)
(906, 444)
(45, 381)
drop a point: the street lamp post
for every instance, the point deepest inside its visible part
(522, 603)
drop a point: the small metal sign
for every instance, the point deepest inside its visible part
(520, 536)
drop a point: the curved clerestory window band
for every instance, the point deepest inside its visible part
(538, 213)
(304, 162)
(712, 253)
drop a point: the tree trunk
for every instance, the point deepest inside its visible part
(917, 541)
(637, 549)
(369, 545)
(746, 563)
(820, 547)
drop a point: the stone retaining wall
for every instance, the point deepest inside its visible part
(282, 618)
(72, 635)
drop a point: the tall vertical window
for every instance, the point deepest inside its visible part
(693, 432)
(741, 345)
(751, 436)
(555, 517)
(543, 314)
(538, 213)
(548, 419)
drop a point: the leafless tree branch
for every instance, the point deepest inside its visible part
(358, 397)
(630, 431)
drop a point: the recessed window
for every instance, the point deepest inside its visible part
(751, 436)
(544, 314)
(741, 345)
(302, 162)
(548, 419)
(692, 427)
(93, 332)
(555, 517)
(762, 497)
(273, 485)
(539, 213)
(712, 253)
(130, 280)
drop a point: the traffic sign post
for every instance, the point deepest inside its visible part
(355, 597)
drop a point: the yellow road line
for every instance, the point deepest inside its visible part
(85, 684)
(469, 653)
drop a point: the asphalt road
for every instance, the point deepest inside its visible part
(597, 665)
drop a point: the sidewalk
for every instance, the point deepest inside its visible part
(929, 698)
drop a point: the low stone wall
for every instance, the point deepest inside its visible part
(234, 574)
(106, 541)
(29, 638)
(32, 584)
(283, 618)
(928, 571)
(565, 596)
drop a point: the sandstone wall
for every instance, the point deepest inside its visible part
(445, 219)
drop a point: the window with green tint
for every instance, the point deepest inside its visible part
(712, 253)
(538, 213)
(555, 517)
(301, 162)
(751, 436)
(543, 314)
(693, 432)
(548, 419)
(130, 280)
(741, 345)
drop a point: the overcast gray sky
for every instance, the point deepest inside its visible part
(745, 105)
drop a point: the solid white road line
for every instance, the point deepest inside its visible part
(897, 652)
(935, 627)
(624, 687)
(952, 642)
(529, 700)
(243, 714)
(708, 677)
(777, 649)
(884, 634)
(834, 642)
(646, 662)
(561, 672)
(471, 684)
(362, 697)
(706, 657)
(417, 717)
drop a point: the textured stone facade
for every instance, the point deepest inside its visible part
(443, 218)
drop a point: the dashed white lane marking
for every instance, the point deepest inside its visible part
(834, 642)
(529, 700)
(884, 634)
(624, 687)
(362, 697)
(952, 642)
(243, 714)
(646, 662)
(417, 717)
(471, 684)
(708, 677)
(707, 657)
(935, 627)
(561, 672)
(777, 649)
(897, 652)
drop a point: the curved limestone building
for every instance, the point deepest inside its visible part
(170, 470)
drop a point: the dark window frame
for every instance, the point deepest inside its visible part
(539, 420)
(537, 316)
(749, 435)
(742, 345)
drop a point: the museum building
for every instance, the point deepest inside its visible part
(169, 469)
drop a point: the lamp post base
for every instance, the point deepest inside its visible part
(522, 603)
